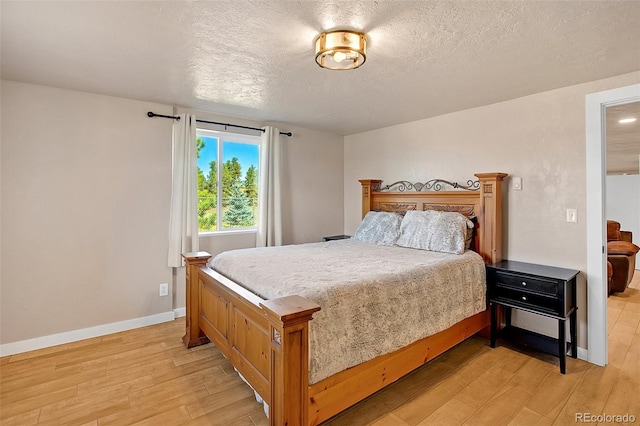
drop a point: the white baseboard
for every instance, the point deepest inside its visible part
(180, 312)
(85, 333)
(582, 354)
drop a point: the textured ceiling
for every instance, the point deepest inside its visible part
(255, 59)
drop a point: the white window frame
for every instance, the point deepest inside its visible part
(234, 138)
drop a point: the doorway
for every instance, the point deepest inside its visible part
(596, 104)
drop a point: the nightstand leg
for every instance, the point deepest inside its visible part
(494, 324)
(507, 316)
(562, 346)
(574, 334)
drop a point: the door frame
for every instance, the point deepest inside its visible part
(596, 104)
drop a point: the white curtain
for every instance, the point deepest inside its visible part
(183, 222)
(269, 204)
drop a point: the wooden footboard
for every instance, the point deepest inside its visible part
(267, 340)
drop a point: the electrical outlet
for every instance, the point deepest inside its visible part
(572, 215)
(164, 289)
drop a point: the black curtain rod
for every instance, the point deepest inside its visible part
(153, 114)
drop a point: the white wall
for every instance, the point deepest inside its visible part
(623, 204)
(85, 190)
(540, 138)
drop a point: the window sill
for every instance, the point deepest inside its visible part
(227, 232)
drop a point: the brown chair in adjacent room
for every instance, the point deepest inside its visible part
(621, 253)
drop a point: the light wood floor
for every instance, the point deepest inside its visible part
(146, 377)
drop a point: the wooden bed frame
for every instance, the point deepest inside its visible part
(267, 340)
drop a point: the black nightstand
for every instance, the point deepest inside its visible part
(542, 290)
(336, 237)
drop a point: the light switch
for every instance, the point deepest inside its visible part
(572, 215)
(516, 183)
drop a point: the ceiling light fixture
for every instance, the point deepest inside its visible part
(341, 50)
(627, 120)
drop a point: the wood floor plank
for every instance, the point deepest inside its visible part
(135, 383)
(531, 375)
(452, 413)
(526, 417)
(22, 419)
(22, 390)
(78, 411)
(173, 417)
(423, 378)
(617, 353)
(135, 377)
(633, 305)
(622, 333)
(634, 347)
(629, 318)
(41, 400)
(97, 352)
(512, 361)
(369, 410)
(388, 420)
(502, 408)
(464, 353)
(481, 390)
(477, 365)
(591, 394)
(167, 390)
(612, 317)
(140, 412)
(229, 393)
(623, 398)
(552, 394)
(416, 410)
(258, 417)
(631, 368)
(28, 372)
(211, 420)
(213, 364)
(235, 412)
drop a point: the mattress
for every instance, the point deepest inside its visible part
(374, 299)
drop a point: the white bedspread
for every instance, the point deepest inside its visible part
(374, 299)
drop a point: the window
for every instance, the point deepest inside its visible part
(227, 189)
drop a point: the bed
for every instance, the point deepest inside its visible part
(267, 339)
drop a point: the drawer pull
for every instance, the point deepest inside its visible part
(524, 284)
(524, 298)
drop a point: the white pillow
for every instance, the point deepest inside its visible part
(382, 228)
(435, 231)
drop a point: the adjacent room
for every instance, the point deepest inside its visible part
(319, 212)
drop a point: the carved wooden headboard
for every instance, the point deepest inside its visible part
(481, 198)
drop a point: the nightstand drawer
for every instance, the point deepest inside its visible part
(520, 282)
(528, 300)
